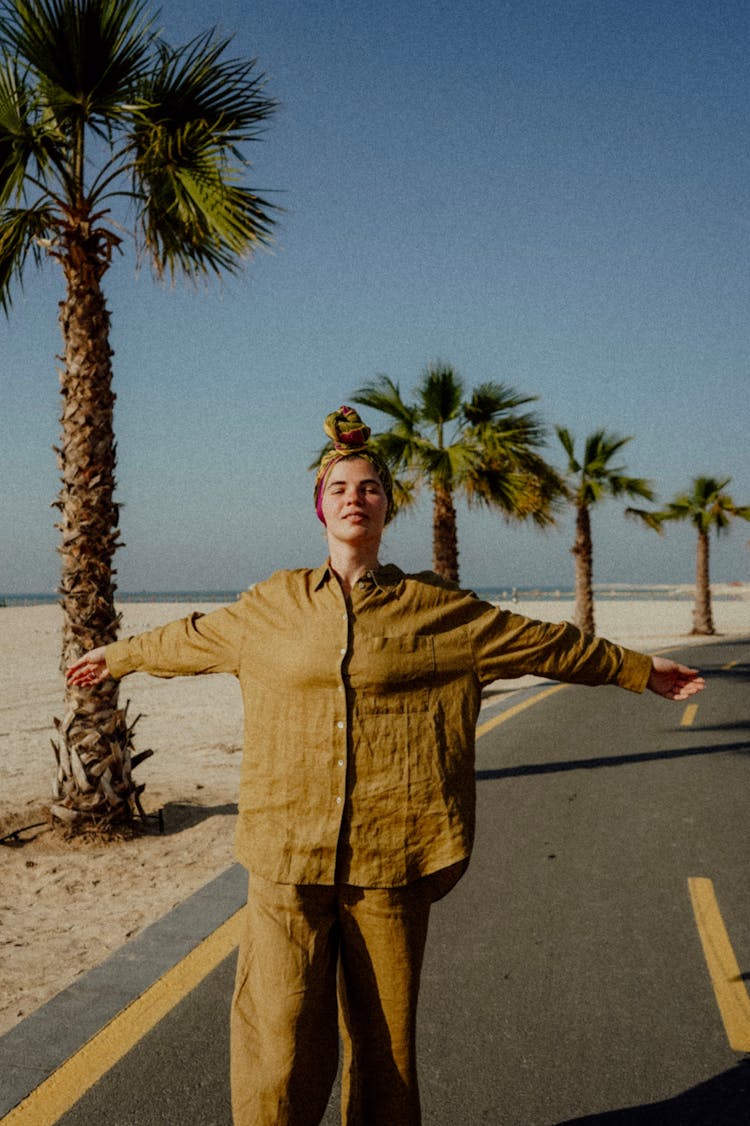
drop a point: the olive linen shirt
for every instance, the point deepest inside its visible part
(360, 713)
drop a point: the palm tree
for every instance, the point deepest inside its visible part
(96, 110)
(589, 481)
(706, 506)
(481, 448)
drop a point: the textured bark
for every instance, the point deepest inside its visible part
(444, 536)
(583, 554)
(94, 788)
(703, 622)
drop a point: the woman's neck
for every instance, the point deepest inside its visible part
(350, 563)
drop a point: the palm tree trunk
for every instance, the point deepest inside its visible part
(444, 535)
(582, 551)
(94, 789)
(702, 617)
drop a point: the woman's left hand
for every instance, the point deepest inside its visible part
(673, 681)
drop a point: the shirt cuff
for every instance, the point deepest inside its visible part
(117, 656)
(634, 671)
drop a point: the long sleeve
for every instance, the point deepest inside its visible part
(509, 645)
(201, 643)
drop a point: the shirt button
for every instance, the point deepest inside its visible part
(338, 801)
(341, 762)
(344, 617)
(340, 725)
(342, 651)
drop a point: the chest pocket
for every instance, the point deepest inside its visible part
(393, 674)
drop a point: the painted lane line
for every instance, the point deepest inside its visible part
(729, 988)
(65, 1086)
(688, 715)
(491, 724)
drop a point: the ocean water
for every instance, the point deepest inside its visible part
(222, 596)
(620, 592)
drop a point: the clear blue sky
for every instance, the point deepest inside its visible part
(554, 195)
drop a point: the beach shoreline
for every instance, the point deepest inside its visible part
(64, 907)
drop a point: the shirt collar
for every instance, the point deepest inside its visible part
(321, 575)
(383, 578)
(386, 577)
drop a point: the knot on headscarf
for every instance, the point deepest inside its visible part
(350, 438)
(347, 431)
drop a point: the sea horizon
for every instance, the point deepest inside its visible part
(505, 592)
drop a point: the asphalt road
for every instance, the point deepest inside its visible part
(565, 979)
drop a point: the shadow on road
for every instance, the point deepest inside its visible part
(178, 816)
(607, 760)
(734, 672)
(721, 1101)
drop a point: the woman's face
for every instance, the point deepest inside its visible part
(354, 502)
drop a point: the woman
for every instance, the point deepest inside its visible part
(361, 688)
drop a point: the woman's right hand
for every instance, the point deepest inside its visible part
(89, 669)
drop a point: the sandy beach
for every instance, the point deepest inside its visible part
(65, 906)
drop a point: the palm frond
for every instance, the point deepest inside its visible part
(622, 485)
(512, 433)
(491, 400)
(194, 84)
(27, 142)
(399, 450)
(192, 113)
(384, 395)
(195, 217)
(705, 505)
(439, 394)
(187, 239)
(706, 489)
(517, 495)
(405, 493)
(567, 442)
(440, 465)
(20, 232)
(593, 478)
(86, 54)
(652, 520)
(493, 487)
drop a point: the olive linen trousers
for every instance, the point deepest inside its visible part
(315, 960)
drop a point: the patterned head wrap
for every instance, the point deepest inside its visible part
(350, 436)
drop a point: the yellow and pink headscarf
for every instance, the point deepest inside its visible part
(350, 438)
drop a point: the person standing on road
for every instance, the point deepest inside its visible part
(361, 688)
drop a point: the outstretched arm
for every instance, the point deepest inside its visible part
(673, 681)
(200, 643)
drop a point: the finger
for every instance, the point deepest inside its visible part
(691, 688)
(77, 669)
(87, 673)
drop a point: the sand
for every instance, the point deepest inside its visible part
(65, 906)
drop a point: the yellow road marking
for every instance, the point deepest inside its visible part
(65, 1086)
(731, 994)
(688, 715)
(493, 723)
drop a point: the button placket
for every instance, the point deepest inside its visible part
(341, 761)
(341, 723)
